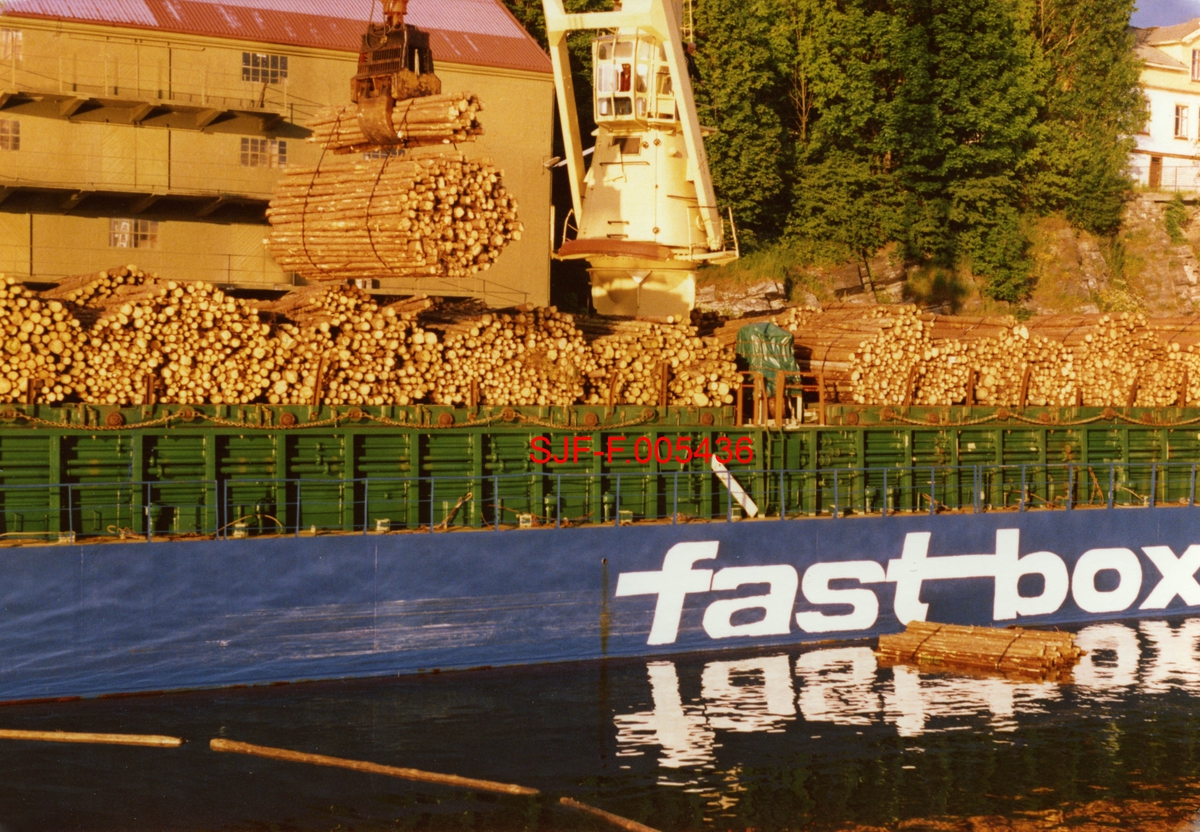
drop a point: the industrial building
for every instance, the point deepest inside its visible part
(151, 132)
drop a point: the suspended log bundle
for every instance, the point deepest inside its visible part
(639, 361)
(1011, 652)
(438, 216)
(431, 120)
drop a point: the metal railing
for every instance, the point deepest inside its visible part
(236, 508)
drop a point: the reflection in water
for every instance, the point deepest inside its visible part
(682, 733)
(845, 686)
(819, 739)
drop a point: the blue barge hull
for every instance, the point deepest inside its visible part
(121, 617)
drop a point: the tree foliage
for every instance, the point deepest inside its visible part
(941, 125)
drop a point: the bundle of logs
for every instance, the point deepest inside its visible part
(124, 337)
(433, 119)
(527, 356)
(646, 362)
(393, 213)
(1012, 652)
(438, 216)
(895, 355)
(151, 340)
(41, 345)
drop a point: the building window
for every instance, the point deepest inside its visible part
(264, 153)
(260, 68)
(10, 134)
(1181, 119)
(1196, 64)
(132, 233)
(10, 45)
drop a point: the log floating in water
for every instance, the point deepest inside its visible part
(270, 753)
(89, 738)
(1016, 651)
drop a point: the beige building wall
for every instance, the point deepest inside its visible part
(63, 59)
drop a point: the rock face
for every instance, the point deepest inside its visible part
(1166, 274)
(737, 300)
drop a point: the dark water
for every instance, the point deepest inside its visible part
(798, 739)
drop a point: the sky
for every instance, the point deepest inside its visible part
(1165, 12)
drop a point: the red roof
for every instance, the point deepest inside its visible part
(481, 32)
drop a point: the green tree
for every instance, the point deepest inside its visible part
(1092, 106)
(741, 93)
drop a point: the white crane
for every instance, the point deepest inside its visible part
(645, 213)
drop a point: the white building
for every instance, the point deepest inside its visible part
(1167, 156)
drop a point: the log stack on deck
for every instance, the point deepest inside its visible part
(1011, 652)
(144, 340)
(633, 358)
(171, 342)
(41, 344)
(896, 355)
(523, 356)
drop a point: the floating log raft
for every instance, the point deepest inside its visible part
(1011, 652)
(441, 216)
(431, 120)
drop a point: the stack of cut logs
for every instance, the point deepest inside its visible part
(440, 216)
(895, 355)
(143, 340)
(167, 341)
(636, 359)
(41, 344)
(433, 119)
(341, 347)
(529, 356)
(1013, 652)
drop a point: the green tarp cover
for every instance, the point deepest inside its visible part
(767, 348)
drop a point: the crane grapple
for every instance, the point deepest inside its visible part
(394, 64)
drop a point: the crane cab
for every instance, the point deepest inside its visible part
(645, 217)
(632, 81)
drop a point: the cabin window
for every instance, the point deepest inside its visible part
(263, 153)
(132, 233)
(1181, 121)
(10, 134)
(263, 68)
(630, 146)
(10, 45)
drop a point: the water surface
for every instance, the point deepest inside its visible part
(815, 738)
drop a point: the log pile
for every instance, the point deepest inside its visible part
(1011, 652)
(341, 347)
(41, 343)
(895, 355)
(633, 358)
(431, 120)
(522, 356)
(170, 342)
(439, 216)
